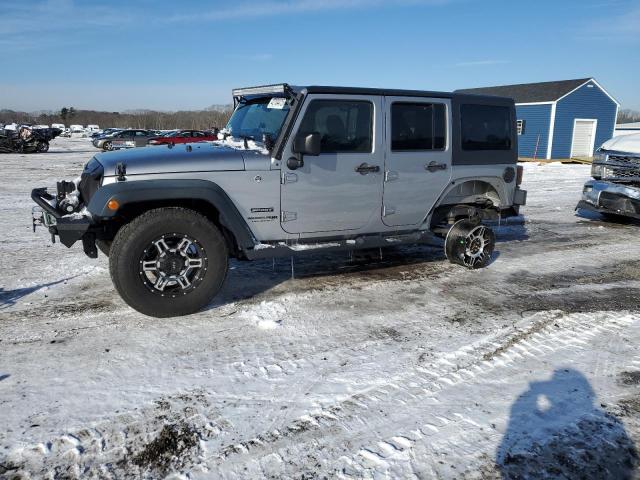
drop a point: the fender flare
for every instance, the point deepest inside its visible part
(140, 191)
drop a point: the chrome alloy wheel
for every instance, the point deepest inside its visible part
(475, 246)
(173, 265)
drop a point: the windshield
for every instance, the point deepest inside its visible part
(256, 117)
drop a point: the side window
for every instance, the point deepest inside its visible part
(140, 133)
(345, 126)
(485, 127)
(418, 126)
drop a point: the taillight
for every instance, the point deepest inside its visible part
(520, 173)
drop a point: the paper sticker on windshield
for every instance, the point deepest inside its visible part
(277, 103)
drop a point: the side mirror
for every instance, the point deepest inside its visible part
(307, 144)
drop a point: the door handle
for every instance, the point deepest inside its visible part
(365, 168)
(434, 166)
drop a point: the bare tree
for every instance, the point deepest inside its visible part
(628, 116)
(191, 119)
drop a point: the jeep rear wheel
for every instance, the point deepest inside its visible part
(469, 244)
(168, 262)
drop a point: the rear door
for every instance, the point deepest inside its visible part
(340, 190)
(418, 157)
(124, 139)
(141, 137)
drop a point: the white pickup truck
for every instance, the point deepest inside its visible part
(615, 189)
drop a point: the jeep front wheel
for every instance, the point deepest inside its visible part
(469, 244)
(168, 262)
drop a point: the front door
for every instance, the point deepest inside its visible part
(339, 191)
(584, 136)
(418, 158)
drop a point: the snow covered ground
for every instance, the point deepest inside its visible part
(403, 366)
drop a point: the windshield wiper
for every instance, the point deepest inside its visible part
(246, 139)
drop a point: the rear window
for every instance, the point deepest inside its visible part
(485, 127)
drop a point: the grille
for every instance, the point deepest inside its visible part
(624, 167)
(630, 173)
(625, 160)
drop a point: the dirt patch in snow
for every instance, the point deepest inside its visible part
(519, 337)
(593, 448)
(623, 271)
(168, 449)
(64, 309)
(629, 378)
(384, 333)
(630, 407)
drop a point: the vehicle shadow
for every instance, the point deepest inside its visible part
(599, 218)
(557, 431)
(248, 280)
(510, 229)
(4, 377)
(9, 298)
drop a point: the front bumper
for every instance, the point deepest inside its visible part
(69, 228)
(608, 197)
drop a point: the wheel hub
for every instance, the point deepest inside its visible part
(173, 265)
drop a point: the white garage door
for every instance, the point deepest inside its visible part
(584, 137)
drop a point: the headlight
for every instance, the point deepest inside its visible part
(597, 171)
(600, 156)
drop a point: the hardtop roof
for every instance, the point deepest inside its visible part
(337, 90)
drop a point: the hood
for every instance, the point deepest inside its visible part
(624, 143)
(191, 157)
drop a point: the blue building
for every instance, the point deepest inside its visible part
(564, 119)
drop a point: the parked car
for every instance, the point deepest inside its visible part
(183, 136)
(123, 139)
(27, 139)
(615, 189)
(299, 170)
(105, 132)
(76, 129)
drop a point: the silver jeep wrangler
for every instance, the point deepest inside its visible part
(296, 170)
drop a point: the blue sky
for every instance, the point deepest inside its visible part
(166, 54)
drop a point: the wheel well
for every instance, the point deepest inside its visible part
(473, 198)
(472, 192)
(132, 210)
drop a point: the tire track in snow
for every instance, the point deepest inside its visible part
(347, 424)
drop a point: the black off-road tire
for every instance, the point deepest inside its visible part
(470, 244)
(42, 147)
(133, 240)
(104, 246)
